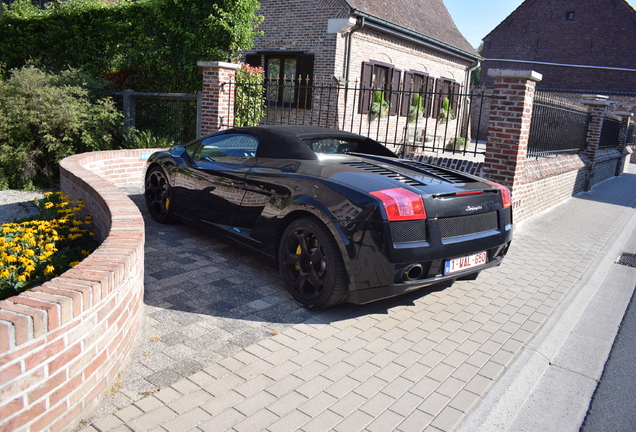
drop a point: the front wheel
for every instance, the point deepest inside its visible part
(311, 265)
(158, 196)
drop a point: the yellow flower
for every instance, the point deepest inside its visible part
(49, 270)
(74, 263)
(46, 194)
(21, 278)
(29, 268)
(50, 247)
(4, 273)
(48, 205)
(86, 252)
(11, 258)
(29, 252)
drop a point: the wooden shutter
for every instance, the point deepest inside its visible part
(407, 95)
(394, 91)
(455, 90)
(305, 80)
(366, 88)
(437, 98)
(429, 95)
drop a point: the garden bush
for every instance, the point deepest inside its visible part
(249, 102)
(38, 249)
(146, 45)
(46, 117)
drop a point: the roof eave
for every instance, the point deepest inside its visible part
(410, 34)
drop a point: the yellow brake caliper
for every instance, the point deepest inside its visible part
(167, 204)
(298, 252)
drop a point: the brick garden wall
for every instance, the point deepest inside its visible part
(62, 344)
(548, 182)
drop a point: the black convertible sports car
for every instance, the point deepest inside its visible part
(343, 217)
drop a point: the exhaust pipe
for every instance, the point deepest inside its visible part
(412, 272)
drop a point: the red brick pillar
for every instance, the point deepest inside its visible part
(597, 106)
(622, 140)
(509, 126)
(217, 96)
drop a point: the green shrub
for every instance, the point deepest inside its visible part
(379, 106)
(458, 143)
(416, 110)
(146, 139)
(46, 117)
(249, 103)
(146, 45)
(446, 112)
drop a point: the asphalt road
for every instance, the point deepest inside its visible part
(613, 407)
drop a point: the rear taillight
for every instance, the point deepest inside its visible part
(401, 204)
(505, 194)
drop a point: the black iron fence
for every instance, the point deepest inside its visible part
(173, 116)
(407, 121)
(558, 126)
(610, 132)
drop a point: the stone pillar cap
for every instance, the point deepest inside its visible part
(514, 73)
(595, 100)
(624, 113)
(218, 64)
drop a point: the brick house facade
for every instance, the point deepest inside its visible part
(572, 32)
(376, 45)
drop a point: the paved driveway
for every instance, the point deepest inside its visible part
(230, 350)
(205, 299)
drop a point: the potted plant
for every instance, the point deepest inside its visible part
(379, 107)
(458, 143)
(416, 110)
(446, 112)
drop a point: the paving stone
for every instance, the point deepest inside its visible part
(354, 422)
(222, 403)
(415, 362)
(290, 422)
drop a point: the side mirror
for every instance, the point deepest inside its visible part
(177, 151)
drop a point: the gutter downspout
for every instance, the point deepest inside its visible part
(469, 73)
(349, 44)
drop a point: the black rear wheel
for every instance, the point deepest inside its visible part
(158, 195)
(311, 265)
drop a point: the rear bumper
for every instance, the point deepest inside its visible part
(432, 276)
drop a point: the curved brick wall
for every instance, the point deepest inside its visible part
(63, 343)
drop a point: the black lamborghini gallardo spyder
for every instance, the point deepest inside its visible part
(343, 217)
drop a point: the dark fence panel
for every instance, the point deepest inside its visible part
(610, 132)
(558, 126)
(414, 122)
(174, 116)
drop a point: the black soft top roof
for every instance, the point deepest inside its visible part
(285, 141)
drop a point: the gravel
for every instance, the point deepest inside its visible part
(17, 204)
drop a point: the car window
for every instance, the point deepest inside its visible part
(331, 145)
(234, 145)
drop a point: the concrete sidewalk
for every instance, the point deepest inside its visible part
(476, 356)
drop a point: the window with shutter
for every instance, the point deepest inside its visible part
(417, 84)
(445, 89)
(379, 77)
(288, 77)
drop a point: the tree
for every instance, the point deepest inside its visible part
(148, 45)
(475, 78)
